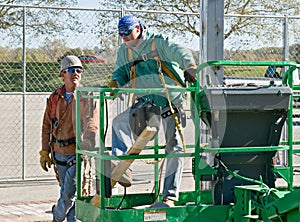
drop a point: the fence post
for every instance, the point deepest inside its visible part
(24, 94)
(286, 38)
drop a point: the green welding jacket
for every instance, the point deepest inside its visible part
(176, 58)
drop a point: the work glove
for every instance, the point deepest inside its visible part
(190, 75)
(45, 160)
(87, 145)
(112, 84)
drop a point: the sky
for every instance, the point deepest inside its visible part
(88, 3)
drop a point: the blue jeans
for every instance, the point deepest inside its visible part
(121, 141)
(174, 166)
(121, 134)
(65, 207)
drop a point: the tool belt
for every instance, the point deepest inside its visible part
(66, 142)
(67, 164)
(142, 114)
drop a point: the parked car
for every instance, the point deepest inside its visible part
(91, 59)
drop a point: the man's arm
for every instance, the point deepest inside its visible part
(121, 72)
(171, 51)
(46, 125)
(45, 160)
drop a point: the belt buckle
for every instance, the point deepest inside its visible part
(145, 57)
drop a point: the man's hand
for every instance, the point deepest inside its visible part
(86, 145)
(112, 84)
(45, 160)
(190, 75)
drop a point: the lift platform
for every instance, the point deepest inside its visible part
(245, 125)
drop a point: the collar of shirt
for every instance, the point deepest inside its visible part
(68, 96)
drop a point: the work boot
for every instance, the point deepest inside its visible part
(169, 202)
(126, 178)
(165, 203)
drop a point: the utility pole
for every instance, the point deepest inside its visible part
(212, 39)
(211, 49)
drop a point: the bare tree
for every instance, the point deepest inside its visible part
(11, 17)
(172, 23)
(190, 23)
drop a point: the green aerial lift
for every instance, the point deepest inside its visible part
(245, 125)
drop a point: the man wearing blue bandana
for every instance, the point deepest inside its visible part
(140, 59)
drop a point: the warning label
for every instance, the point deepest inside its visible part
(155, 216)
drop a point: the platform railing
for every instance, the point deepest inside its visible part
(195, 89)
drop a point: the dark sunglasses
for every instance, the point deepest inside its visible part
(125, 33)
(73, 70)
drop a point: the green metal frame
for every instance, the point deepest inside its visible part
(202, 206)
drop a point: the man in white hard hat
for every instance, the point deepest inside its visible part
(58, 135)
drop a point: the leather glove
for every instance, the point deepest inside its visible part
(86, 145)
(190, 75)
(45, 160)
(112, 84)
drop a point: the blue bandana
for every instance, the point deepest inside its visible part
(128, 22)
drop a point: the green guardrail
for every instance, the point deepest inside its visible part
(198, 204)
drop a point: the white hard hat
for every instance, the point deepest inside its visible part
(70, 61)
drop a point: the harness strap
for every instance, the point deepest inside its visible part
(143, 57)
(132, 67)
(153, 54)
(170, 74)
(132, 76)
(66, 142)
(178, 126)
(164, 66)
(169, 112)
(54, 103)
(67, 164)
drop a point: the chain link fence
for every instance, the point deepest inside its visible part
(26, 81)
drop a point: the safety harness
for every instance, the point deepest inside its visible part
(161, 68)
(54, 123)
(54, 105)
(153, 54)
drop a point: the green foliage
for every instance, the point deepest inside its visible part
(245, 71)
(11, 78)
(43, 77)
